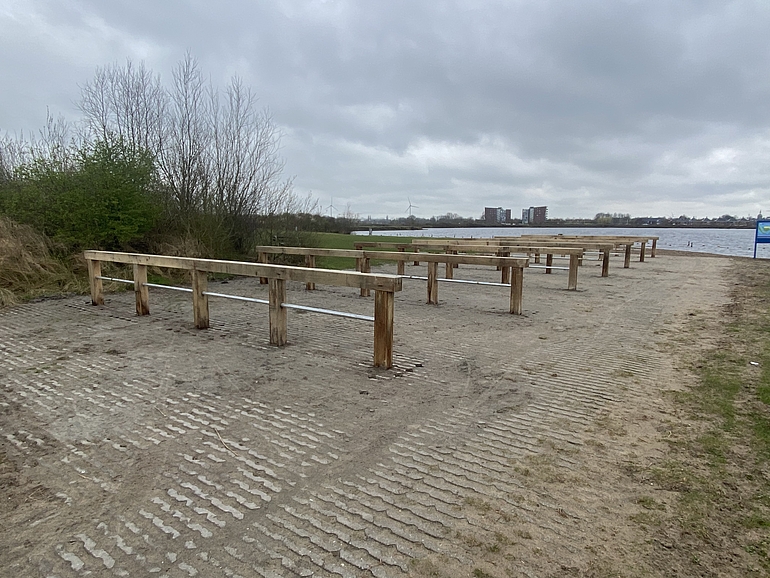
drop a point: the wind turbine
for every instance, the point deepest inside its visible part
(411, 206)
(331, 208)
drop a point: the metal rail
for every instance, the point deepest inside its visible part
(170, 287)
(328, 312)
(458, 281)
(251, 300)
(292, 306)
(237, 297)
(158, 285)
(547, 267)
(114, 279)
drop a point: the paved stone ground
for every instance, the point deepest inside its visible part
(140, 446)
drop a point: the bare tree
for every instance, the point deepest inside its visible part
(128, 102)
(246, 164)
(184, 153)
(56, 143)
(14, 152)
(216, 151)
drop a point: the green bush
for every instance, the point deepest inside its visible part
(102, 196)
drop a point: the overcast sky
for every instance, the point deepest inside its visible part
(648, 108)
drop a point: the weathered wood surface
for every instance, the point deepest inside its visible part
(200, 301)
(97, 288)
(482, 247)
(517, 290)
(400, 246)
(433, 283)
(262, 258)
(372, 281)
(310, 264)
(618, 240)
(277, 275)
(140, 290)
(398, 256)
(605, 263)
(451, 255)
(366, 267)
(278, 314)
(318, 252)
(383, 328)
(574, 263)
(483, 260)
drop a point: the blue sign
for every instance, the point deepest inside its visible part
(762, 234)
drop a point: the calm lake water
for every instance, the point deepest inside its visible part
(737, 242)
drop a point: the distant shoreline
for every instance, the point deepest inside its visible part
(550, 225)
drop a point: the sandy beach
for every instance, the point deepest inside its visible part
(496, 446)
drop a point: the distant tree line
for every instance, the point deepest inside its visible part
(186, 165)
(599, 220)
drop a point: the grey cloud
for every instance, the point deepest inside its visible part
(591, 106)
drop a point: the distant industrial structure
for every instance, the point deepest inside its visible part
(534, 216)
(496, 215)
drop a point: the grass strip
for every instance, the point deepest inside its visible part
(719, 465)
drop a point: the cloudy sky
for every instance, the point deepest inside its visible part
(641, 107)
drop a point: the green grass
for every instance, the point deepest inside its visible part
(340, 241)
(717, 468)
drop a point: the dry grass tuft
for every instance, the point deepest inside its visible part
(184, 246)
(28, 269)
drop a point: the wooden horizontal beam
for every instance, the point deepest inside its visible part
(376, 282)
(313, 251)
(623, 237)
(532, 248)
(363, 244)
(400, 256)
(448, 258)
(518, 243)
(383, 285)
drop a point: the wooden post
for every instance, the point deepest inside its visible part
(97, 288)
(200, 301)
(262, 258)
(627, 260)
(641, 252)
(310, 263)
(450, 271)
(549, 262)
(573, 272)
(366, 267)
(400, 267)
(433, 283)
(140, 290)
(517, 284)
(278, 314)
(360, 269)
(383, 329)
(505, 272)
(537, 257)
(417, 263)
(606, 263)
(653, 248)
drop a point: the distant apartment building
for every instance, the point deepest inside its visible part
(534, 216)
(496, 215)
